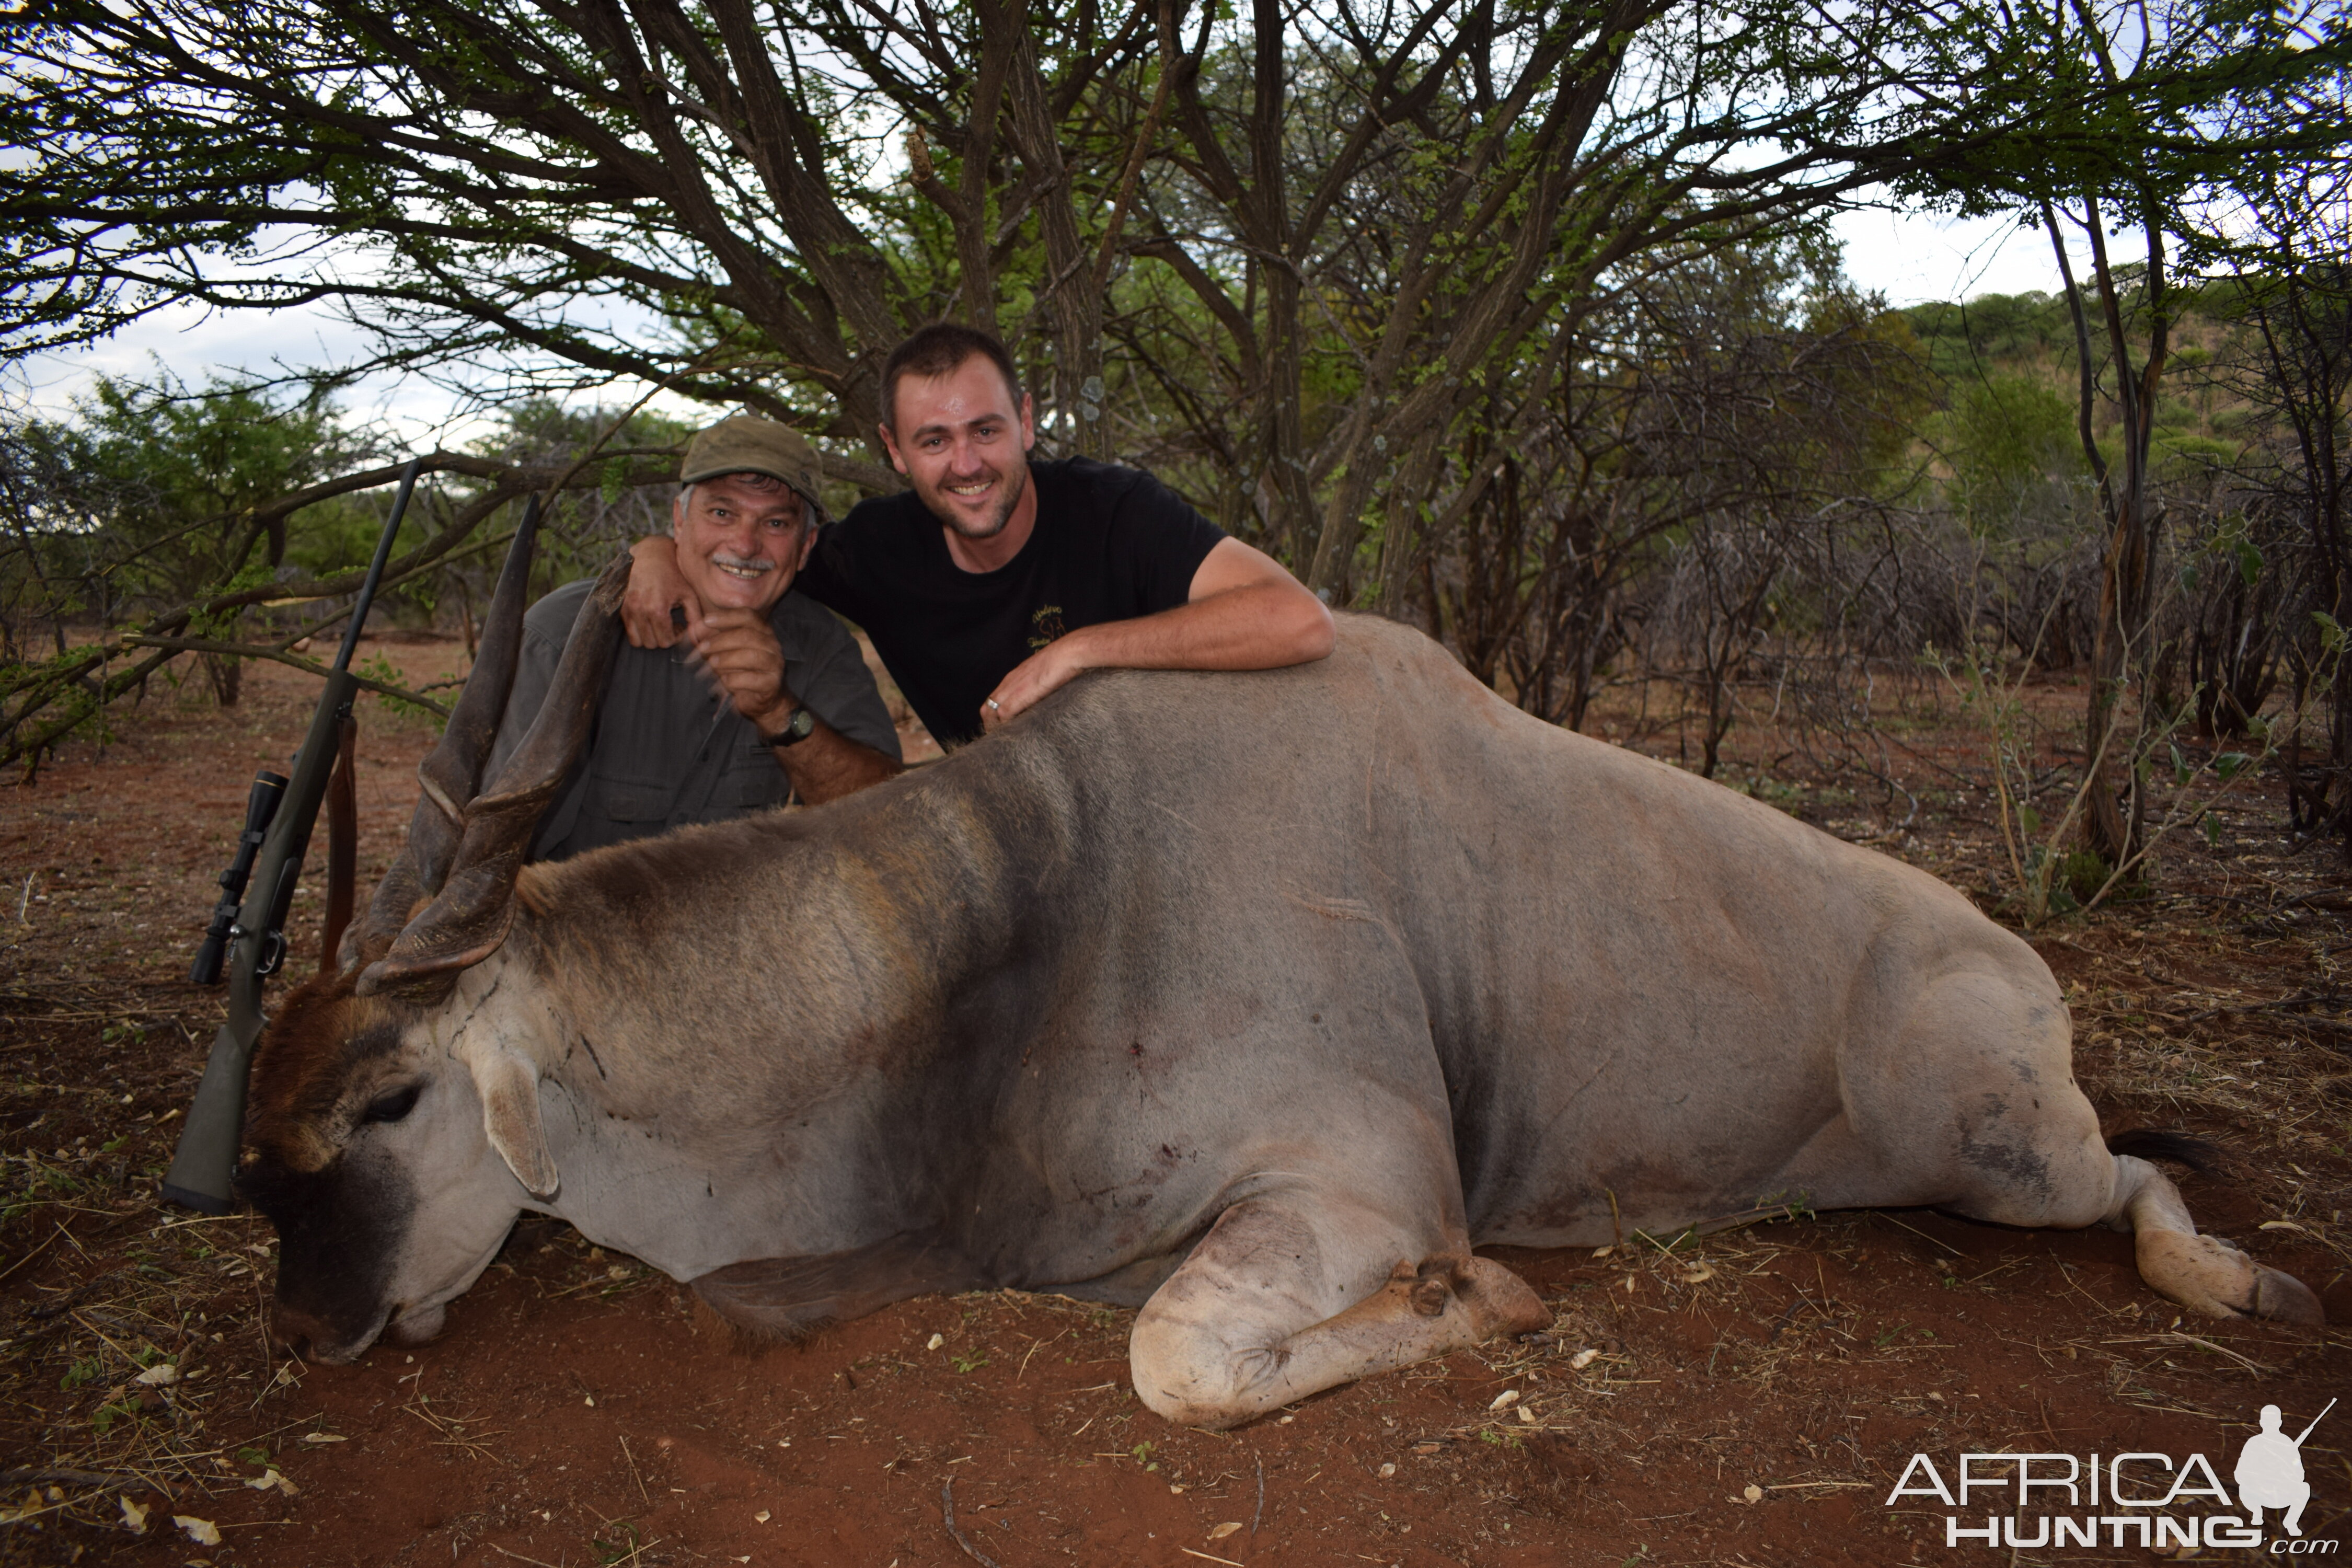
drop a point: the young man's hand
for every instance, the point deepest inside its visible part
(1035, 679)
(656, 588)
(1245, 613)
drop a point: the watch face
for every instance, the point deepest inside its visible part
(796, 728)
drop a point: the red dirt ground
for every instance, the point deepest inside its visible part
(1750, 1398)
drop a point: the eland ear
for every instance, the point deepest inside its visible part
(508, 1085)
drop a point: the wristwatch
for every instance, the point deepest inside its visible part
(794, 730)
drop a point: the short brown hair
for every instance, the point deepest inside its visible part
(941, 348)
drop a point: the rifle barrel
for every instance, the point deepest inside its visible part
(203, 1167)
(375, 567)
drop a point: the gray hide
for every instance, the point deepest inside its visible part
(1314, 977)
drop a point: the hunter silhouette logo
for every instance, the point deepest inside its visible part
(2140, 1498)
(2269, 1471)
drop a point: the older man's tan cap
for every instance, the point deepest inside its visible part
(747, 445)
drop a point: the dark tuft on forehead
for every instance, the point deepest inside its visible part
(324, 1033)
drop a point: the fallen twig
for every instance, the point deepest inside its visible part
(947, 1511)
(32, 1476)
(639, 1479)
(517, 1556)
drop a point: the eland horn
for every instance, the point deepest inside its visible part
(472, 911)
(452, 771)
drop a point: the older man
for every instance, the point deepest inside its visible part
(763, 697)
(996, 579)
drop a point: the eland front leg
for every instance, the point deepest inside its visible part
(1285, 1298)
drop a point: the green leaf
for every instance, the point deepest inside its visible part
(2230, 764)
(2250, 562)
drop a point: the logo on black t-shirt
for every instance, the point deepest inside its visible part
(1044, 625)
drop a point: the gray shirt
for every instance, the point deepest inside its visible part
(666, 750)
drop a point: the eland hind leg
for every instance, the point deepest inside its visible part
(2203, 1273)
(1976, 1111)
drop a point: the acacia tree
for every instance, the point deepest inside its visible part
(1370, 223)
(146, 496)
(140, 539)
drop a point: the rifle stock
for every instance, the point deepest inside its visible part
(203, 1167)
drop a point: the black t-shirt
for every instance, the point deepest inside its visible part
(1111, 544)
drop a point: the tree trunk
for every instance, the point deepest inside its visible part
(226, 676)
(2115, 811)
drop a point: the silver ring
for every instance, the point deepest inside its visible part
(994, 706)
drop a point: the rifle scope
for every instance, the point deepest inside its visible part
(268, 788)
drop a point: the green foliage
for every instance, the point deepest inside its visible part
(589, 529)
(2013, 437)
(204, 453)
(2072, 881)
(2184, 455)
(146, 499)
(1962, 340)
(1339, 249)
(379, 667)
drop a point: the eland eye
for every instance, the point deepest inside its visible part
(394, 1106)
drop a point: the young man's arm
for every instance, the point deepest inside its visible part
(1243, 612)
(656, 588)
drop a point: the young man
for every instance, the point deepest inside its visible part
(763, 697)
(994, 580)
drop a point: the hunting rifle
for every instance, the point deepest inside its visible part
(279, 817)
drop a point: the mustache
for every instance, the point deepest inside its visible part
(748, 563)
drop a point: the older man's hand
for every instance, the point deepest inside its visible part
(738, 652)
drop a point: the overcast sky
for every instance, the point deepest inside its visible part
(1909, 258)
